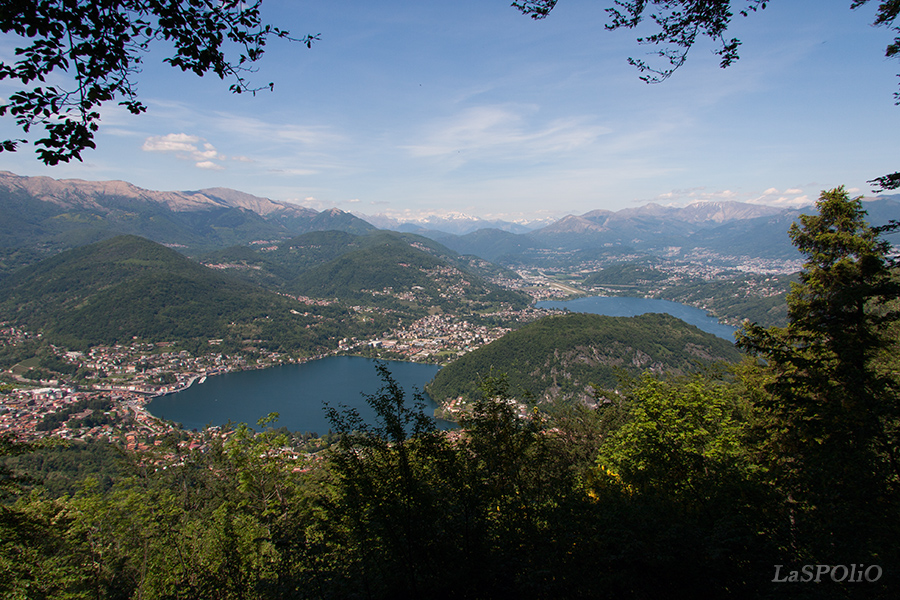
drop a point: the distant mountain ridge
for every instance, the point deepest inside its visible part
(698, 212)
(40, 212)
(43, 215)
(657, 216)
(78, 193)
(726, 228)
(455, 223)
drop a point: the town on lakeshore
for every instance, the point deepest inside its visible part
(109, 402)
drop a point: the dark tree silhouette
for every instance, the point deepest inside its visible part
(98, 47)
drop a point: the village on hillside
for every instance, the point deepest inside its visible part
(110, 404)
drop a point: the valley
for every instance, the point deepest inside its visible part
(124, 318)
(387, 301)
(557, 430)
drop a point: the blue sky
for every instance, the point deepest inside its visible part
(412, 107)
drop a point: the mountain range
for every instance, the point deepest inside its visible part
(729, 229)
(49, 214)
(43, 215)
(455, 223)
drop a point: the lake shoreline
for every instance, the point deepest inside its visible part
(297, 391)
(632, 306)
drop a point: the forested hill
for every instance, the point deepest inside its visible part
(396, 270)
(127, 287)
(392, 271)
(561, 356)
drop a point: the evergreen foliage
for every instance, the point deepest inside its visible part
(60, 469)
(830, 412)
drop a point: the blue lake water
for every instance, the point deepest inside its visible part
(620, 306)
(297, 392)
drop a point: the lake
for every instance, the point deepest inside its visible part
(621, 306)
(297, 392)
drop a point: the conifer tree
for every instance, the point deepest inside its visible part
(830, 412)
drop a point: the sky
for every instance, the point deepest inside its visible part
(417, 107)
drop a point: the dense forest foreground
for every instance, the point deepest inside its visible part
(776, 478)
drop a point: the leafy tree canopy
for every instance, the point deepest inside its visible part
(679, 23)
(99, 44)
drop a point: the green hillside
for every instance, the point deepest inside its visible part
(393, 273)
(279, 267)
(128, 287)
(560, 356)
(759, 298)
(626, 273)
(399, 271)
(44, 216)
(291, 257)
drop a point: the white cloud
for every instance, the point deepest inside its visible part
(300, 172)
(186, 147)
(264, 131)
(173, 142)
(208, 152)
